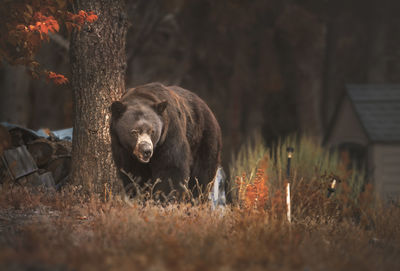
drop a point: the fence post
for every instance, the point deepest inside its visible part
(290, 151)
(288, 203)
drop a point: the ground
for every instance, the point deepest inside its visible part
(65, 231)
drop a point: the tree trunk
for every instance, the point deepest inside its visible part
(377, 61)
(297, 27)
(327, 88)
(98, 64)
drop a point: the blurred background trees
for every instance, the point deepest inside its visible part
(278, 66)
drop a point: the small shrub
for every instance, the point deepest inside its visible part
(312, 170)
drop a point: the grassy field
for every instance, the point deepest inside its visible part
(349, 231)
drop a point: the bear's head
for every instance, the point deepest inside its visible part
(138, 127)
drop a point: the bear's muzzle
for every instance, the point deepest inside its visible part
(144, 148)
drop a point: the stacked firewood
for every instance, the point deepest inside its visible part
(29, 159)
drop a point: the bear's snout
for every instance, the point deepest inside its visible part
(144, 148)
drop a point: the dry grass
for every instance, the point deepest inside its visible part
(69, 231)
(66, 231)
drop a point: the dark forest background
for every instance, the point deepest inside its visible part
(276, 66)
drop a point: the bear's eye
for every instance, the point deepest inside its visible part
(134, 132)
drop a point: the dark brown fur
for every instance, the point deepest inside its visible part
(190, 143)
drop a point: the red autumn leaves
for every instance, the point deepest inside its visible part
(58, 79)
(253, 193)
(43, 25)
(77, 20)
(29, 24)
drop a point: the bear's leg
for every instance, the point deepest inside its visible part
(171, 177)
(171, 164)
(132, 173)
(133, 179)
(205, 162)
(204, 172)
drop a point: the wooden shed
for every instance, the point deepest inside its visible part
(367, 124)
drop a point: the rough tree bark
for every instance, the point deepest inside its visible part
(98, 64)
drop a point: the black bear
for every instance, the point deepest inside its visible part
(167, 133)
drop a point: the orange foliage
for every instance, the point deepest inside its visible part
(58, 79)
(253, 194)
(44, 24)
(27, 23)
(77, 20)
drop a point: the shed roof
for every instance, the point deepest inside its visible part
(378, 108)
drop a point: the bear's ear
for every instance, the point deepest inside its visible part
(117, 109)
(160, 107)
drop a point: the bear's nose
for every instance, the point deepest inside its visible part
(147, 153)
(146, 150)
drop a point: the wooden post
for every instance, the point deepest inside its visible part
(290, 151)
(288, 204)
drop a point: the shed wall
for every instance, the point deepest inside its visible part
(384, 163)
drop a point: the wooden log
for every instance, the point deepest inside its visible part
(5, 139)
(20, 136)
(63, 148)
(47, 180)
(60, 168)
(41, 150)
(31, 180)
(37, 180)
(5, 173)
(19, 162)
